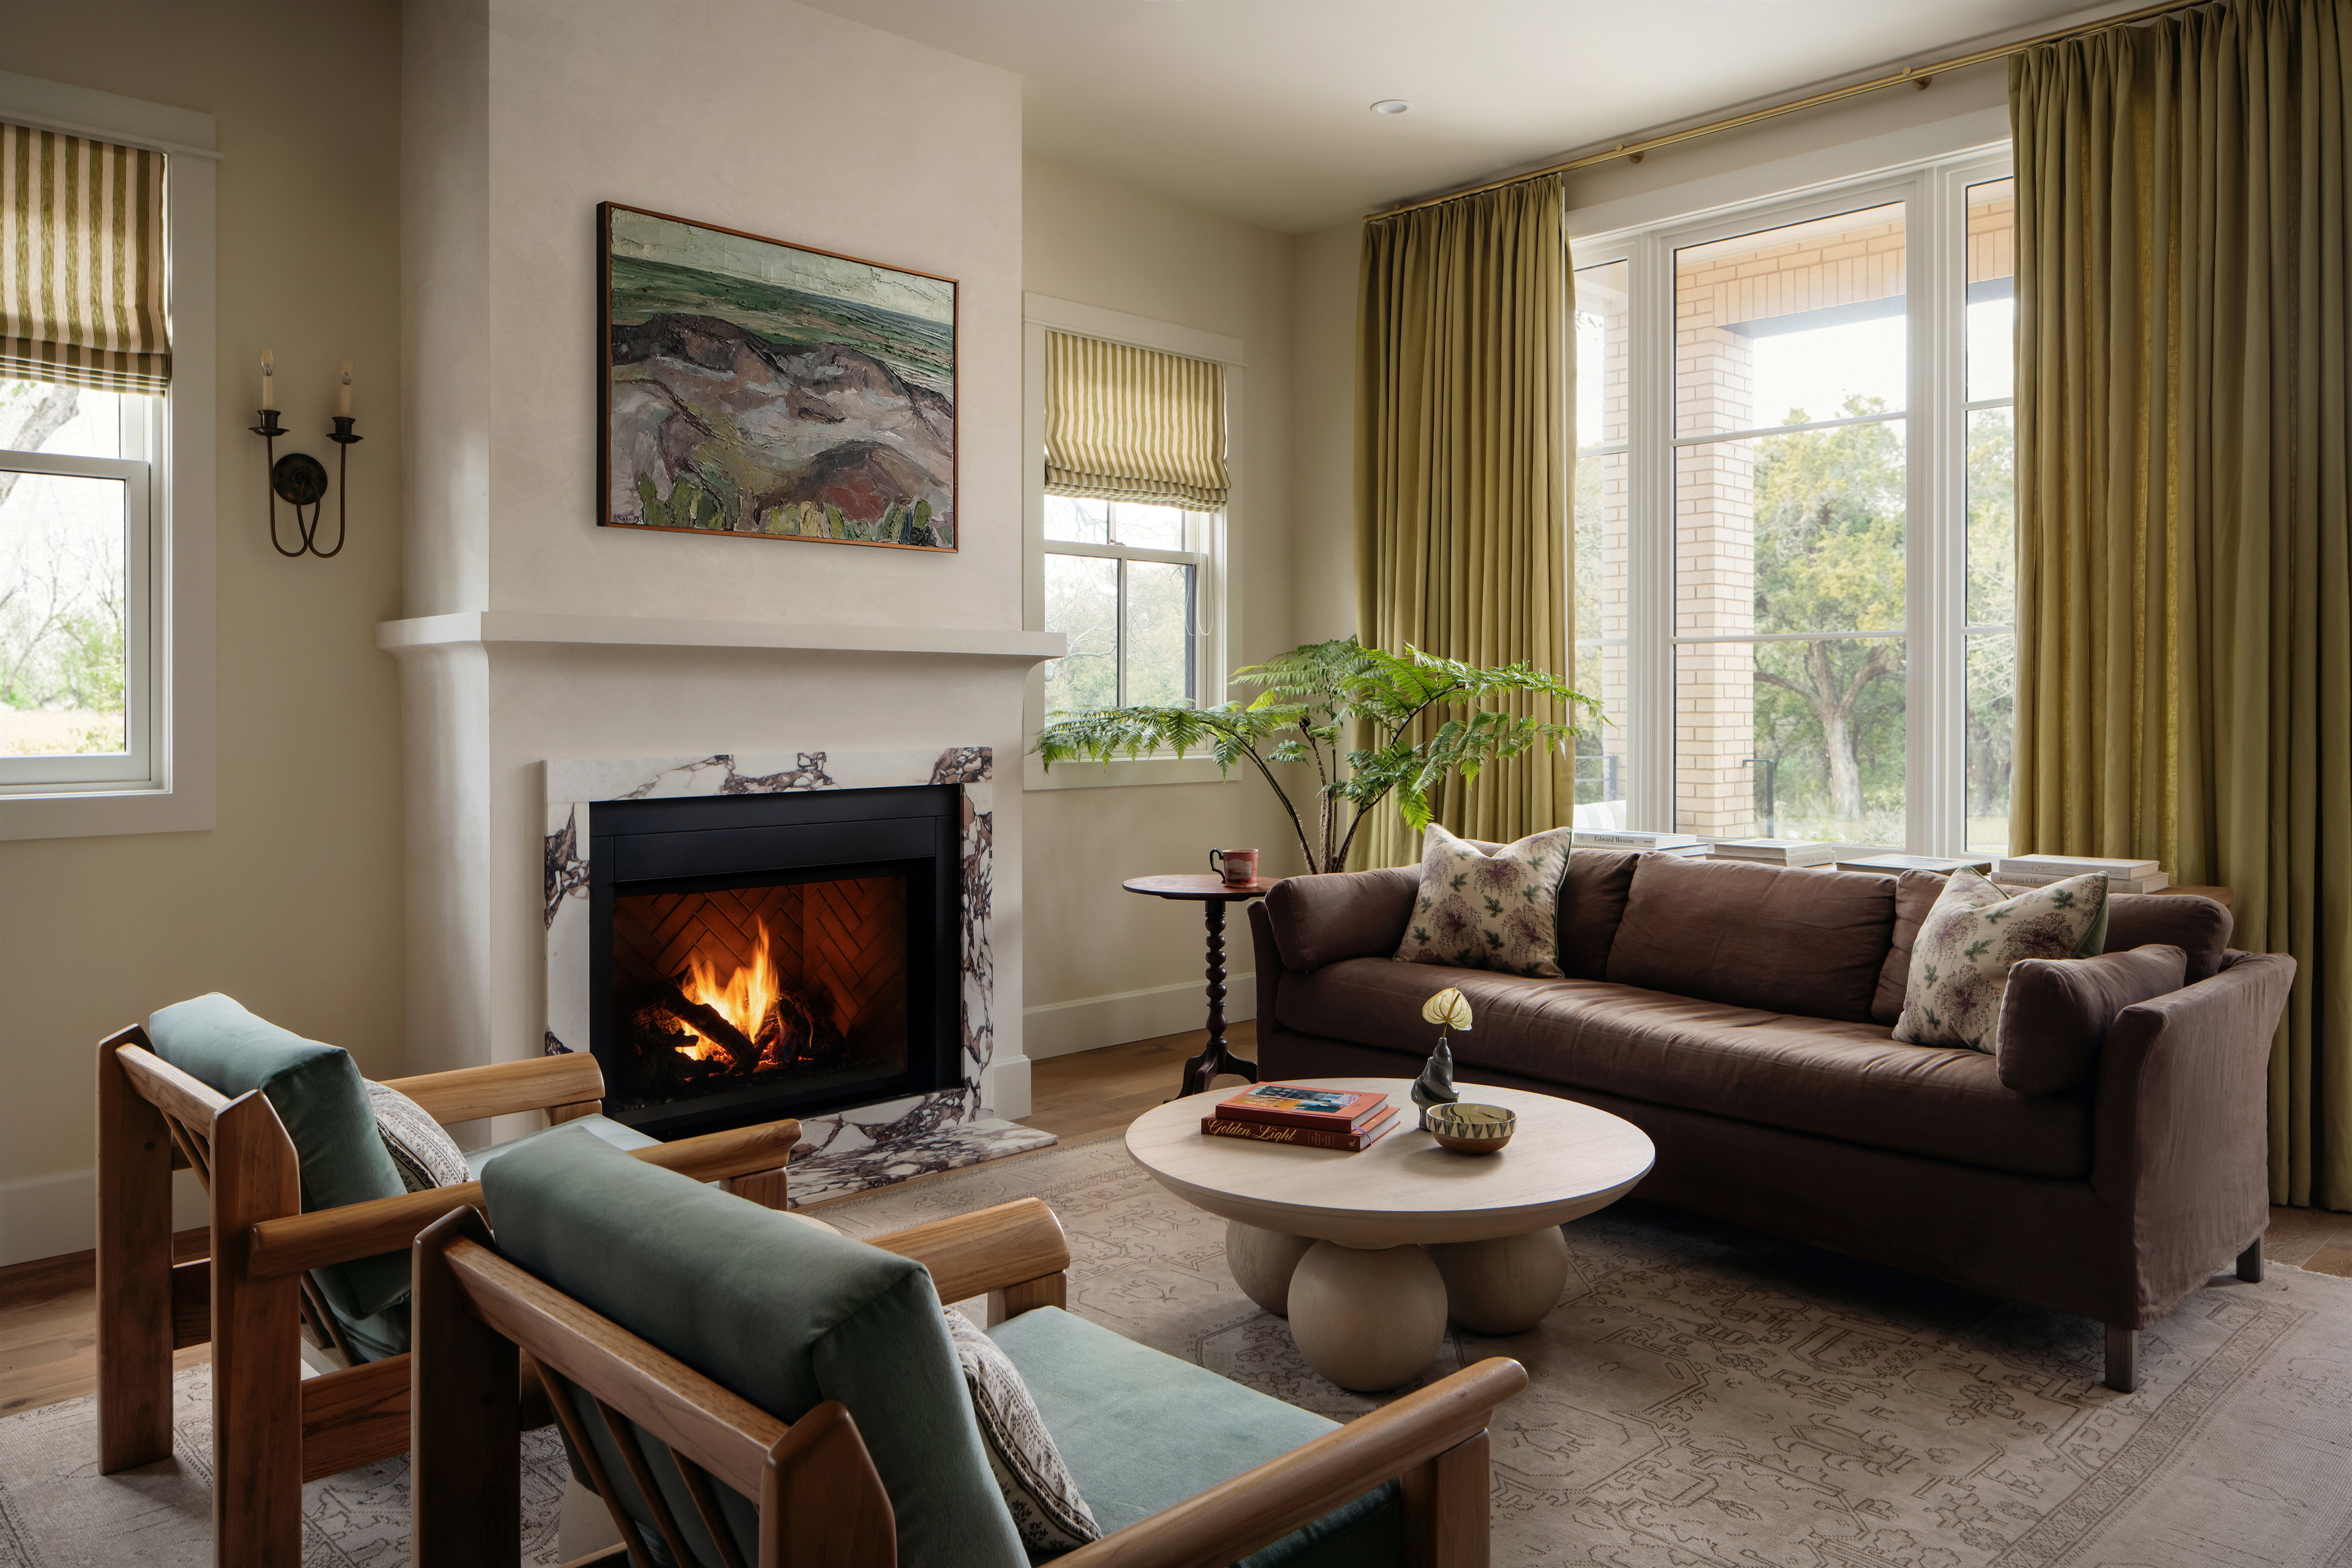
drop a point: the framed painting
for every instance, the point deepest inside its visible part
(756, 388)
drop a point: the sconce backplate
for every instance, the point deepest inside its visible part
(299, 479)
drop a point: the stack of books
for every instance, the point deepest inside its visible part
(2041, 870)
(1778, 851)
(1892, 865)
(1638, 841)
(1313, 1117)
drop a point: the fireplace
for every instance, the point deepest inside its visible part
(760, 955)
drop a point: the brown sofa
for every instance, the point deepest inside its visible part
(1742, 1016)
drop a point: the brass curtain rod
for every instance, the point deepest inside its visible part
(1921, 74)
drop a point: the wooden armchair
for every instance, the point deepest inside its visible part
(272, 1428)
(819, 1501)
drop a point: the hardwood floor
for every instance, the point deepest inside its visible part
(46, 1307)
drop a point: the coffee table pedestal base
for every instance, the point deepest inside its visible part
(1262, 1262)
(1366, 1320)
(1505, 1287)
(1374, 1319)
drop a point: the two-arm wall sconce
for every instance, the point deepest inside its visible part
(299, 479)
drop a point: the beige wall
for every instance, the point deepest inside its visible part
(292, 904)
(1104, 965)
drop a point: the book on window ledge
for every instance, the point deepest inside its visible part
(1632, 839)
(1288, 1105)
(1342, 1136)
(1778, 851)
(1894, 865)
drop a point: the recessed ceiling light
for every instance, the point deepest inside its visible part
(1391, 106)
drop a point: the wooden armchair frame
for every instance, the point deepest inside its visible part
(272, 1428)
(820, 1504)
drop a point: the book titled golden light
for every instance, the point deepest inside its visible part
(1365, 1133)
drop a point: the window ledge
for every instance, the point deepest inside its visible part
(95, 810)
(1192, 770)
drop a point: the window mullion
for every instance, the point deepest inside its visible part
(1650, 537)
(1935, 511)
(1119, 636)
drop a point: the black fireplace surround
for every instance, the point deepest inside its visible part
(757, 956)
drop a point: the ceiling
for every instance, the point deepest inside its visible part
(1259, 108)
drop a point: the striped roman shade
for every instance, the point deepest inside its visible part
(81, 262)
(1130, 424)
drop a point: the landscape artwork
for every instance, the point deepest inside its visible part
(757, 388)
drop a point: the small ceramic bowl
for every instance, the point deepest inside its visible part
(1472, 1129)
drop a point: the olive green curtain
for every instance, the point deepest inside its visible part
(2184, 520)
(1464, 388)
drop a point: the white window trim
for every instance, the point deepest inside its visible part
(1221, 588)
(1934, 188)
(178, 795)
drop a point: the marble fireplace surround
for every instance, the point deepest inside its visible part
(841, 1151)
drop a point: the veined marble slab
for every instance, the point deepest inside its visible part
(814, 1178)
(915, 1123)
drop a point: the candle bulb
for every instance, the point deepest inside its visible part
(269, 381)
(344, 394)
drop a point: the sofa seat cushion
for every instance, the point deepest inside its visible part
(1835, 1079)
(1141, 1431)
(604, 1127)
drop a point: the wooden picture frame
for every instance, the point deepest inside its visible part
(755, 388)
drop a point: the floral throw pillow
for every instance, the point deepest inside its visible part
(1499, 911)
(1975, 933)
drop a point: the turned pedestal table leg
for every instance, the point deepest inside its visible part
(1366, 1320)
(1216, 1056)
(1505, 1287)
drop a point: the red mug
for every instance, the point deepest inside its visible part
(1237, 867)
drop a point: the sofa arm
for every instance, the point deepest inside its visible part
(2181, 1141)
(1317, 920)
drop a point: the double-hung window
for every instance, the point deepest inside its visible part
(1134, 491)
(106, 470)
(1794, 520)
(1123, 583)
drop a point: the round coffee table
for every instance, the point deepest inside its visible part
(1368, 1254)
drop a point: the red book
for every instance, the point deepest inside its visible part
(1363, 1135)
(1287, 1105)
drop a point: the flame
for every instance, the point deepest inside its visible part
(744, 998)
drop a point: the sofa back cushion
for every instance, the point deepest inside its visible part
(2055, 1014)
(2198, 926)
(1592, 907)
(785, 1314)
(1805, 941)
(321, 1101)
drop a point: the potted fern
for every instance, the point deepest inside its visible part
(1308, 700)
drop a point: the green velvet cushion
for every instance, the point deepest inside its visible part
(323, 1101)
(1141, 1431)
(786, 1315)
(386, 1332)
(618, 1134)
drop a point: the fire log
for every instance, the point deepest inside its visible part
(742, 1055)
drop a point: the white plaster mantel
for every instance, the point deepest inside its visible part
(484, 628)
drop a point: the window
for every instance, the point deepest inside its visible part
(75, 521)
(1795, 528)
(1135, 498)
(108, 437)
(1123, 584)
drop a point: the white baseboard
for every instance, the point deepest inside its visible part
(1087, 1023)
(45, 1217)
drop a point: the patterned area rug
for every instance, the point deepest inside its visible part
(1706, 1396)
(57, 1512)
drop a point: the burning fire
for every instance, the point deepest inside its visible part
(744, 998)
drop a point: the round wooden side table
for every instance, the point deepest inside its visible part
(1370, 1253)
(1213, 893)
